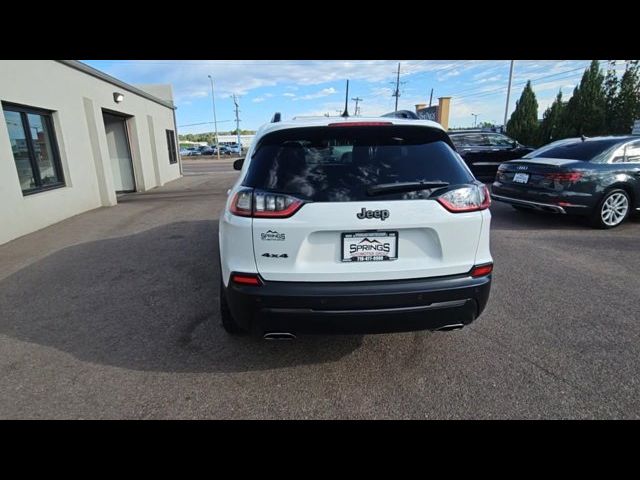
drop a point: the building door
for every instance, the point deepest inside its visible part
(119, 152)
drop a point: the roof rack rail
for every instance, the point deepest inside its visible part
(402, 114)
(276, 117)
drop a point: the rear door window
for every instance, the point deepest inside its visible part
(338, 164)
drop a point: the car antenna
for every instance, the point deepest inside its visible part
(582, 137)
(346, 102)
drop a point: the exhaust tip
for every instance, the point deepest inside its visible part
(451, 326)
(279, 336)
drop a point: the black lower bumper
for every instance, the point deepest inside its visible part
(569, 202)
(358, 307)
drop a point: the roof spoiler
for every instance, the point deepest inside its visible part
(276, 117)
(402, 114)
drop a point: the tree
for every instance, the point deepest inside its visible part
(626, 108)
(611, 87)
(523, 124)
(552, 119)
(586, 110)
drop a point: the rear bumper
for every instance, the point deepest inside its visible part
(564, 202)
(358, 307)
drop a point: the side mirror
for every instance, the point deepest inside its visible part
(237, 165)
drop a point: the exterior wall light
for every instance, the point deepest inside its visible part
(118, 97)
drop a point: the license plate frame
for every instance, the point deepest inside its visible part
(391, 255)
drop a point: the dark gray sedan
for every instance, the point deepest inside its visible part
(596, 177)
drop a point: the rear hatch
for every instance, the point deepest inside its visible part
(344, 230)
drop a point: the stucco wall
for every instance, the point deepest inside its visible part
(77, 100)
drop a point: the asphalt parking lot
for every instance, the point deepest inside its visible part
(113, 314)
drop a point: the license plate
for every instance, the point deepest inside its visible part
(369, 246)
(521, 178)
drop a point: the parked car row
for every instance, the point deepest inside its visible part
(228, 149)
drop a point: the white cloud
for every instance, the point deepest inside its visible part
(495, 78)
(258, 99)
(322, 93)
(452, 73)
(287, 94)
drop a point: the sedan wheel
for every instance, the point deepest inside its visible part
(614, 208)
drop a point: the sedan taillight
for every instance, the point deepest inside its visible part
(258, 204)
(466, 199)
(570, 177)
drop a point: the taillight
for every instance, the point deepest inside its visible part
(481, 270)
(259, 204)
(246, 279)
(570, 177)
(241, 203)
(466, 199)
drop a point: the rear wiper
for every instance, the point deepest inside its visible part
(403, 187)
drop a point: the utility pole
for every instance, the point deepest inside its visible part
(506, 108)
(397, 91)
(475, 118)
(215, 122)
(431, 97)
(235, 102)
(357, 99)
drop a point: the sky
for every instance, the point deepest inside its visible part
(317, 87)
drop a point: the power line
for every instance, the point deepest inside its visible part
(479, 90)
(524, 82)
(203, 123)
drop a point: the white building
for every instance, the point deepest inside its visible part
(245, 140)
(72, 138)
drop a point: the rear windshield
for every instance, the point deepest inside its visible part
(337, 164)
(586, 151)
(468, 140)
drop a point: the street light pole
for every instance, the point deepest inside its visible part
(475, 118)
(215, 121)
(506, 108)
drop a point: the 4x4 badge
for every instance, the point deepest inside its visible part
(275, 255)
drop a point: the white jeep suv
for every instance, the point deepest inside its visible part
(353, 225)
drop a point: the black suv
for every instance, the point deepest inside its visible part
(483, 151)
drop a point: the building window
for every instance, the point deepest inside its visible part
(34, 147)
(171, 143)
